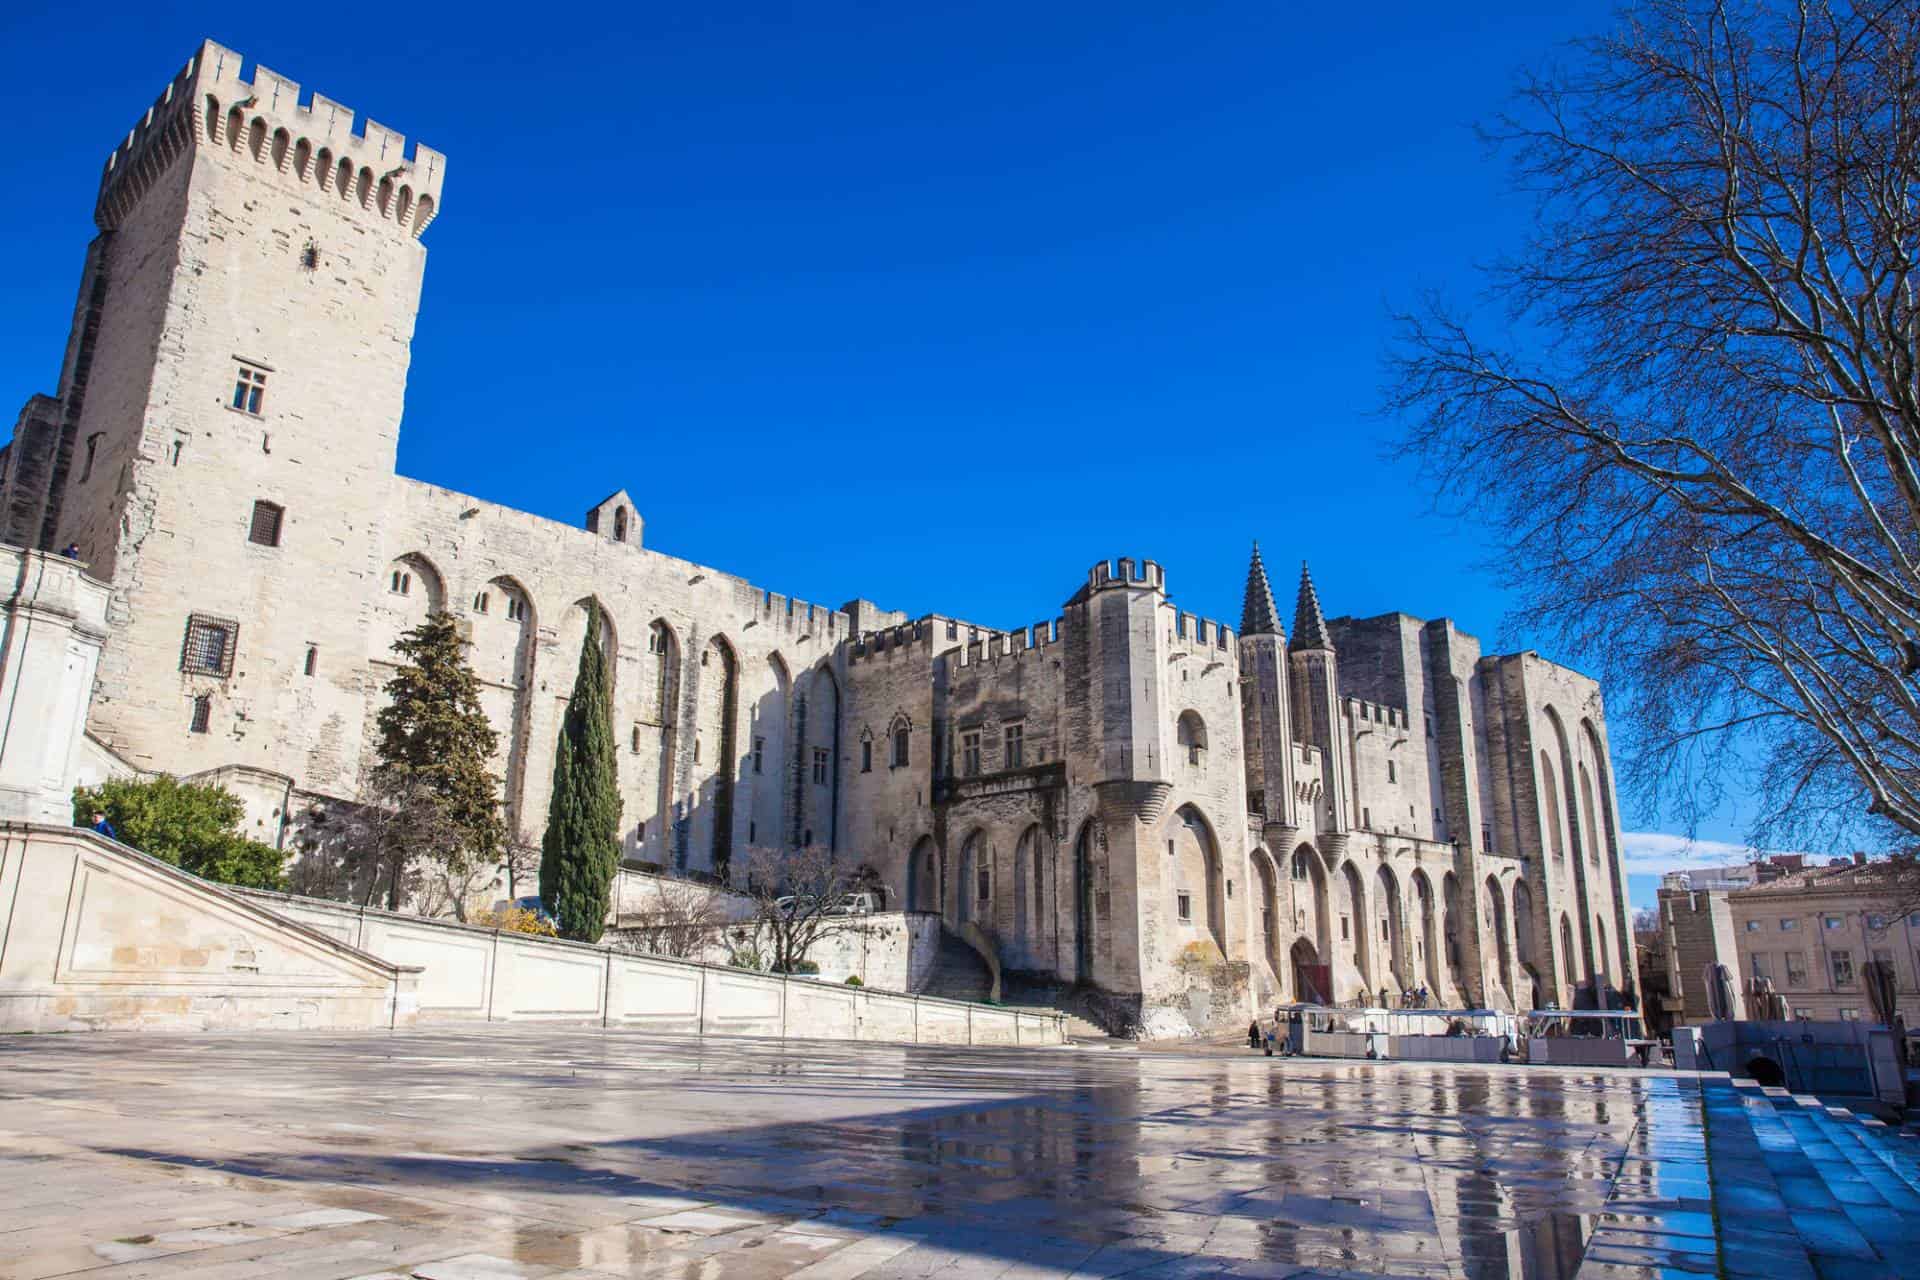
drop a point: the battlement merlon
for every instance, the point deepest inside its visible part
(210, 94)
(1126, 572)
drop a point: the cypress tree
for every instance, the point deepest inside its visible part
(581, 852)
(435, 745)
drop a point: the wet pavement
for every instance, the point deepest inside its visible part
(544, 1152)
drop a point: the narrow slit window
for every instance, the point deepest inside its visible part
(313, 659)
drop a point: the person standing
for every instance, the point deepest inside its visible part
(104, 827)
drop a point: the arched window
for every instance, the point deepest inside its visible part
(1300, 871)
(902, 735)
(1191, 735)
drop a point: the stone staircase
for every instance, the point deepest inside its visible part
(958, 972)
(1802, 1190)
(1083, 1022)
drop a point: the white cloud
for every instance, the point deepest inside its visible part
(1650, 853)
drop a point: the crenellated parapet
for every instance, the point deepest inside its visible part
(1202, 633)
(1125, 572)
(211, 103)
(1006, 646)
(1358, 711)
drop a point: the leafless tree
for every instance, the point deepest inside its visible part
(799, 900)
(1697, 433)
(384, 844)
(521, 867)
(678, 919)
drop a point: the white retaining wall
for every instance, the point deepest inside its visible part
(95, 936)
(495, 976)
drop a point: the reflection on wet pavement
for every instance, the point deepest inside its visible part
(523, 1151)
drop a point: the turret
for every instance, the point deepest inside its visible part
(1315, 677)
(1122, 610)
(1266, 715)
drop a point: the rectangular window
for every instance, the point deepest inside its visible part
(866, 756)
(1849, 1015)
(202, 714)
(1832, 922)
(636, 739)
(1796, 969)
(249, 389)
(1842, 962)
(313, 659)
(265, 529)
(209, 646)
(1753, 926)
(759, 753)
(1876, 922)
(970, 754)
(1789, 924)
(1366, 819)
(1015, 735)
(696, 751)
(902, 743)
(1183, 902)
(819, 767)
(983, 884)
(1344, 929)
(1393, 775)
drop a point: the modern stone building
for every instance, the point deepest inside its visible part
(1808, 931)
(1198, 821)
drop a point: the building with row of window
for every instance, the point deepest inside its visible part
(1196, 820)
(1805, 932)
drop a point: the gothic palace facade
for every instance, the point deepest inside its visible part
(1197, 820)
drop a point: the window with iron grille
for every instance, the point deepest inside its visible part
(202, 714)
(209, 645)
(265, 529)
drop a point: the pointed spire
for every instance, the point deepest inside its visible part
(1258, 617)
(1309, 627)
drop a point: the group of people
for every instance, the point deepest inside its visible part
(1267, 1039)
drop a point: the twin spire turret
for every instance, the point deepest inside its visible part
(1259, 616)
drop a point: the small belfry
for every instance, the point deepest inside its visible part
(1122, 795)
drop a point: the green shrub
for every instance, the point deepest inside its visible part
(196, 828)
(853, 980)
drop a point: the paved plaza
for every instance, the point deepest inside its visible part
(549, 1152)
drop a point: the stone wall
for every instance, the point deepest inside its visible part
(473, 974)
(52, 625)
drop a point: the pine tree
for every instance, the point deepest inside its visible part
(581, 853)
(435, 744)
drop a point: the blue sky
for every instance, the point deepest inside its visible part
(931, 305)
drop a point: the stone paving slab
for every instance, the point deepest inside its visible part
(523, 1151)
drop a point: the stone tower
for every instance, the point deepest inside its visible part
(1266, 711)
(224, 436)
(1315, 676)
(1113, 625)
